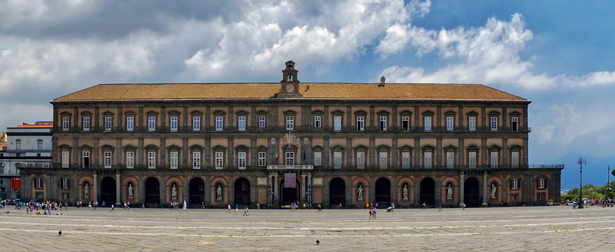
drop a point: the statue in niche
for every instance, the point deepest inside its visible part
(449, 192)
(174, 192)
(86, 190)
(360, 192)
(494, 190)
(404, 192)
(219, 193)
(130, 191)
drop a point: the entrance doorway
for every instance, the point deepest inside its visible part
(471, 192)
(337, 192)
(107, 189)
(428, 195)
(289, 195)
(383, 192)
(152, 191)
(242, 192)
(196, 193)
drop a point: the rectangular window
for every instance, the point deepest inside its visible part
(39, 183)
(174, 123)
(241, 160)
(514, 184)
(360, 123)
(472, 123)
(337, 160)
(64, 183)
(405, 123)
(427, 160)
(289, 158)
(541, 183)
(241, 123)
(494, 159)
(130, 159)
(107, 159)
(450, 159)
(65, 123)
(40, 144)
(151, 123)
(151, 160)
(450, 122)
(317, 158)
(86, 123)
(514, 123)
(317, 121)
(65, 158)
(18, 144)
(130, 123)
(337, 123)
(86, 159)
(196, 123)
(541, 196)
(383, 123)
(514, 160)
(427, 123)
(494, 123)
(360, 160)
(262, 158)
(219, 123)
(472, 159)
(174, 159)
(196, 160)
(383, 160)
(108, 123)
(290, 123)
(261, 121)
(514, 197)
(405, 160)
(219, 160)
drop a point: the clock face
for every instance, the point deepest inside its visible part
(290, 88)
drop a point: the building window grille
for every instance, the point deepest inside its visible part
(514, 184)
(219, 160)
(86, 159)
(241, 123)
(174, 123)
(383, 160)
(450, 159)
(65, 123)
(241, 160)
(427, 123)
(86, 123)
(317, 158)
(219, 123)
(107, 159)
(360, 123)
(130, 160)
(317, 121)
(405, 123)
(130, 123)
(472, 159)
(427, 160)
(196, 123)
(541, 183)
(108, 123)
(494, 123)
(290, 158)
(196, 160)
(515, 159)
(262, 159)
(383, 123)
(64, 183)
(450, 122)
(514, 123)
(151, 123)
(18, 144)
(40, 144)
(405, 160)
(290, 123)
(174, 159)
(472, 123)
(361, 160)
(337, 123)
(494, 159)
(261, 121)
(337, 160)
(65, 158)
(151, 160)
(38, 183)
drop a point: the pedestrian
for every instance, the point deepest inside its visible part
(319, 208)
(65, 206)
(374, 212)
(424, 206)
(202, 205)
(340, 206)
(236, 207)
(463, 205)
(440, 208)
(229, 208)
(95, 205)
(258, 205)
(49, 210)
(245, 213)
(371, 213)
(27, 210)
(112, 207)
(143, 205)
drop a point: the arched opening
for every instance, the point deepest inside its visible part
(242, 192)
(383, 192)
(196, 193)
(337, 192)
(428, 195)
(107, 190)
(152, 191)
(289, 195)
(471, 195)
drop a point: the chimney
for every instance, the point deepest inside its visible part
(381, 82)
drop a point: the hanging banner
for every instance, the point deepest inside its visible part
(290, 180)
(15, 183)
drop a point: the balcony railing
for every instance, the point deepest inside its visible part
(547, 166)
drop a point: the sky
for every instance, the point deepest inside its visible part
(558, 54)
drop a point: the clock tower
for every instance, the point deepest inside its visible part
(290, 84)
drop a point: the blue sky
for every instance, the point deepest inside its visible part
(557, 54)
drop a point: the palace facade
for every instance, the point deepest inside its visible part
(276, 143)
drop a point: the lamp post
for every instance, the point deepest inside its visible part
(270, 194)
(309, 195)
(608, 184)
(581, 162)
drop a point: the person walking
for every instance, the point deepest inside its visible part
(440, 208)
(112, 207)
(424, 206)
(236, 207)
(245, 213)
(319, 208)
(229, 208)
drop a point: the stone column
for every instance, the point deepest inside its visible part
(309, 183)
(484, 189)
(276, 193)
(95, 189)
(303, 188)
(461, 189)
(118, 190)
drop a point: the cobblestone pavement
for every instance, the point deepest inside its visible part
(473, 229)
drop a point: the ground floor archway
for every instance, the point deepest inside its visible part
(242, 192)
(383, 192)
(196, 192)
(471, 192)
(337, 192)
(289, 195)
(107, 191)
(428, 195)
(152, 191)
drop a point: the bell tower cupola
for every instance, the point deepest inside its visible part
(290, 84)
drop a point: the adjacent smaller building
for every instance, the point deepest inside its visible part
(27, 145)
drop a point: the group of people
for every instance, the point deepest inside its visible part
(45, 207)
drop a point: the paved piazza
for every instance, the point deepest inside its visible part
(479, 229)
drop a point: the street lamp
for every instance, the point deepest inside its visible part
(608, 184)
(309, 194)
(581, 162)
(270, 194)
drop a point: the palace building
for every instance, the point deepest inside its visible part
(276, 143)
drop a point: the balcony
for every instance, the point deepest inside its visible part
(538, 166)
(289, 167)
